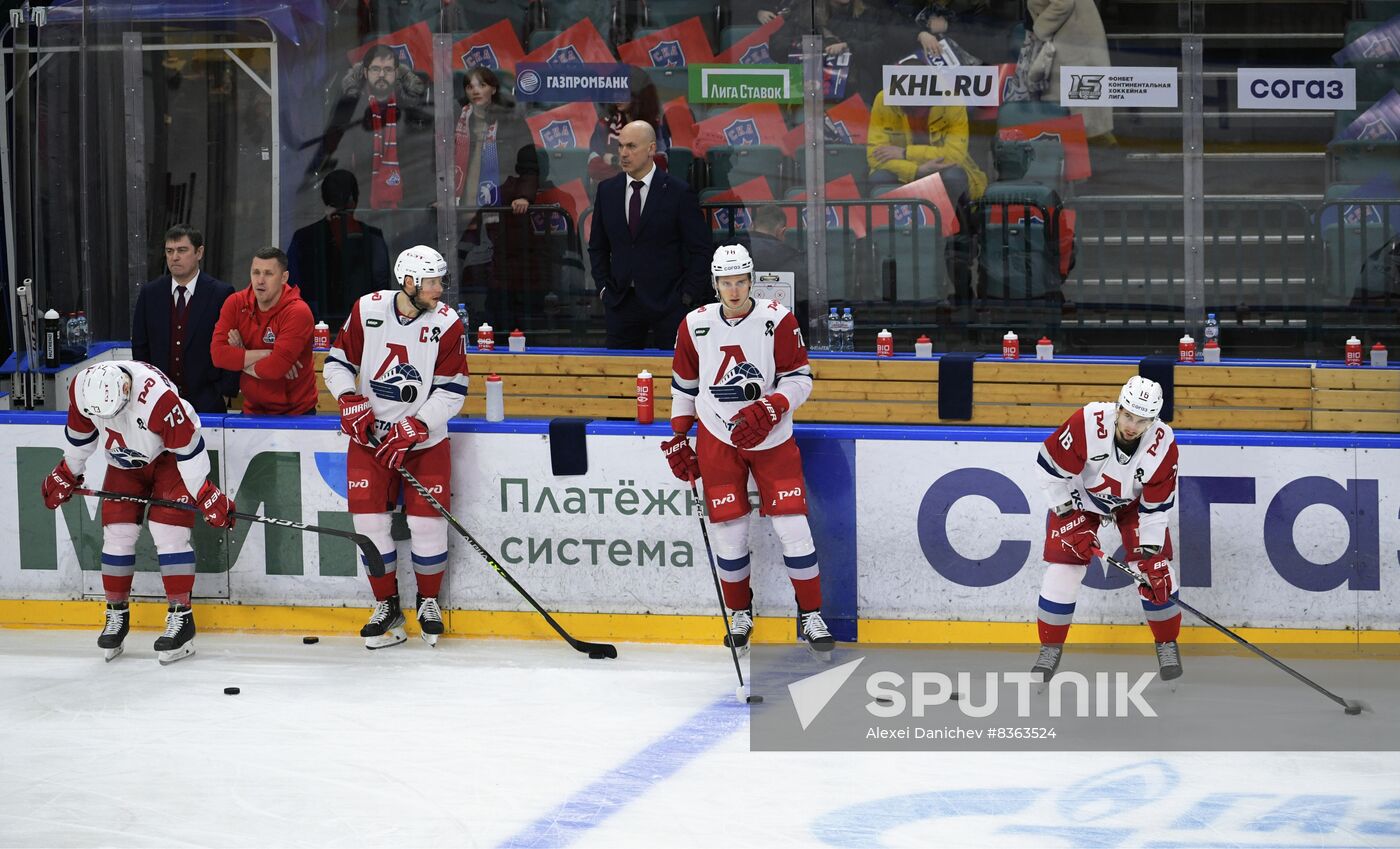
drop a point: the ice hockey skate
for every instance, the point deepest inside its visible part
(740, 624)
(114, 631)
(1168, 662)
(385, 625)
(818, 637)
(177, 641)
(1046, 663)
(429, 620)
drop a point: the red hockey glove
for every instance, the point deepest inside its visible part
(685, 465)
(1157, 569)
(58, 486)
(1078, 532)
(753, 423)
(400, 439)
(218, 508)
(356, 417)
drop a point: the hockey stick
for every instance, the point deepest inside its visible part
(596, 651)
(743, 691)
(1351, 706)
(374, 561)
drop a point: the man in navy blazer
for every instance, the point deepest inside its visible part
(173, 323)
(649, 246)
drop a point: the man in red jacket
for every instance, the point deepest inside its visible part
(264, 331)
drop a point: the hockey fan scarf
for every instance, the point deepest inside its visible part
(488, 187)
(386, 181)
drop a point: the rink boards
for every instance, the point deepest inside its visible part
(923, 534)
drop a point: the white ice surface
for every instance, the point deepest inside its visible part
(492, 743)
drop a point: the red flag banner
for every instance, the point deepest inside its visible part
(497, 47)
(842, 188)
(575, 45)
(413, 45)
(755, 189)
(848, 122)
(675, 46)
(572, 196)
(752, 49)
(1069, 130)
(928, 188)
(679, 122)
(754, 123)
(570, 125)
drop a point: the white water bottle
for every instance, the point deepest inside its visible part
(495, 398)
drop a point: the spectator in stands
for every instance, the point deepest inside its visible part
(908, 143)
(337, 258)
(970, 27)
(649, 246)
(1076, 30)
(173, 323)
(864, 28)
(771, 252)
(264, 332)
(644, 105)
(381, 130)
(495, 166)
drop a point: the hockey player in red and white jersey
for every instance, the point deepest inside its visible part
(740, 368)
(1110, 463)
(399, 371)
(151, 439)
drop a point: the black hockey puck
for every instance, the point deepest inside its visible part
(1353, 710)
(754, 700)
(597, 654)
(884, 701)
(955, 696)
(231, 691)
(311, 641)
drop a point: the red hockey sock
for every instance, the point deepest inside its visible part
(737, 595)
(117, 587)
(1053, 635)
(809, 593)
(384, 586)
(177, 588)
(1165, 629)
(429, 585)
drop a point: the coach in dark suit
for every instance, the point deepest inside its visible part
(649, 246)
(173, 323)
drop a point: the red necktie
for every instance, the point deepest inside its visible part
(634, 208)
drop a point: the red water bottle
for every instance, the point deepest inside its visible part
(321, 336)
(485, 338)
(1353, 351)
(1010, 346)
(646, 398)
(884, 344)
(1186, 350)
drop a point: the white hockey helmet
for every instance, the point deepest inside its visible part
(419, 262)
(102, 390)
(729, 260)
(1142, 397)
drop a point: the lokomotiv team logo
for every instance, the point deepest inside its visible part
(128, 458)
(566, 55)
(401, 383)
(667, 54)
(558, 134)
(743, 382)
(741, 132)
(481, 56)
